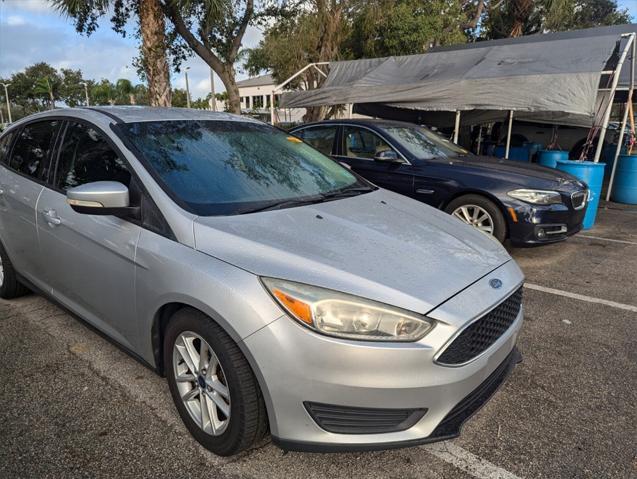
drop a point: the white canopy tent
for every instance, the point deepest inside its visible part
(566, 77)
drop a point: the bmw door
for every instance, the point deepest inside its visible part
(89, 260)
(21, 183)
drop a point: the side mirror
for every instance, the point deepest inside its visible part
(387, 156)
(101, 198)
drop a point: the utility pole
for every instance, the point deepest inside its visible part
(6, 96)
(85, 92)
(187, 88)
(213, 99)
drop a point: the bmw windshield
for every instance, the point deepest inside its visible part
(218, 167)
(424, 143)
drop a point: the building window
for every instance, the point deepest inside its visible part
(257, 101)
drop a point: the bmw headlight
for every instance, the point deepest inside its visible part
(345, 316)
(536, 197)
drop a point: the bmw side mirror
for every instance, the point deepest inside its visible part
(387, 156)
(101, 198)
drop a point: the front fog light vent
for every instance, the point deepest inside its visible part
(358, 420)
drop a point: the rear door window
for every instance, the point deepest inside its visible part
(85, 157)
(32, 150)
(5, 144)
(320, 137)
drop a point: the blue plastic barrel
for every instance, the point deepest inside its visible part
(517, 153)
(608, 157)
(625, 187)
(593, 175)
(533, 148)
(549, 158)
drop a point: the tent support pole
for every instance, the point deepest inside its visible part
(456, 130)
(624, 120)
(479, 139)
(611, 97)
(272, 107)
(508, 144)
(279, 88)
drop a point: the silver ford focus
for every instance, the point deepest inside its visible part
(275, 289)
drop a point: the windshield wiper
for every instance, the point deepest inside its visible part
(277, 205)
(347, 192)
(309, 200)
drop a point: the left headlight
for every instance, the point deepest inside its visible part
(345, 316)
(536, 197)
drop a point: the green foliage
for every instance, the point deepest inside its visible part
(405, 27)
(552, 15)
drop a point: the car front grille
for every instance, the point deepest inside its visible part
(578, 199)
(358, 420)
(481, 334)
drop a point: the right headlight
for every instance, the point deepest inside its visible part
(345, 316)
(536, 197)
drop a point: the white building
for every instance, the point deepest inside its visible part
(255, 98)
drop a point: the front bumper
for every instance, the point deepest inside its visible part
(537, 224)
(295, 366)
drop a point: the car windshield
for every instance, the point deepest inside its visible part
(424, 143)
(232, 167)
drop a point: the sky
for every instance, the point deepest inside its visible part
(32, 31)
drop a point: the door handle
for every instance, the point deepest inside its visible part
(52, 218)
(424, 191)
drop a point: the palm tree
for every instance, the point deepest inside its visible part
(124, 92)
(44, 86)
(153, 35)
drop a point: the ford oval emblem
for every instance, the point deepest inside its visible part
(495, 283)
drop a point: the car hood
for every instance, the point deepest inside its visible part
(378, 245)
(527, 174)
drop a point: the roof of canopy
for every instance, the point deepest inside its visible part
(546, 76)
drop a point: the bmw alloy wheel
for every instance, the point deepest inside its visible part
(475, 216)
(201, 382)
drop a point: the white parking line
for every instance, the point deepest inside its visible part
(468, 462)
(607, 239)
(581, 297)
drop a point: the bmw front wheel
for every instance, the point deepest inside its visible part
(481, 213)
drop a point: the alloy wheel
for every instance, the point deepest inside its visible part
(475, 216)
(202, 383)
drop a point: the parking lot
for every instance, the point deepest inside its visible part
(72, 404)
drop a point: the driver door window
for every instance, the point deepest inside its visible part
(85, 157)
(362, 143)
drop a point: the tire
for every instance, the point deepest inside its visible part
(499, 228)
(247, 420)
(10, 287)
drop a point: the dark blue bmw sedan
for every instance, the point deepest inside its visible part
(525, 203)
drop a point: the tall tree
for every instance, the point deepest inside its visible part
(506, 18)
(404, 27)
(151, 29)
(313, 31)
(214, 31)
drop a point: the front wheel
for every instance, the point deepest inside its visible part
(481, 213)
(212, 384)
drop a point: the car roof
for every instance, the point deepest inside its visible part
(371, 122)
(134, 114)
